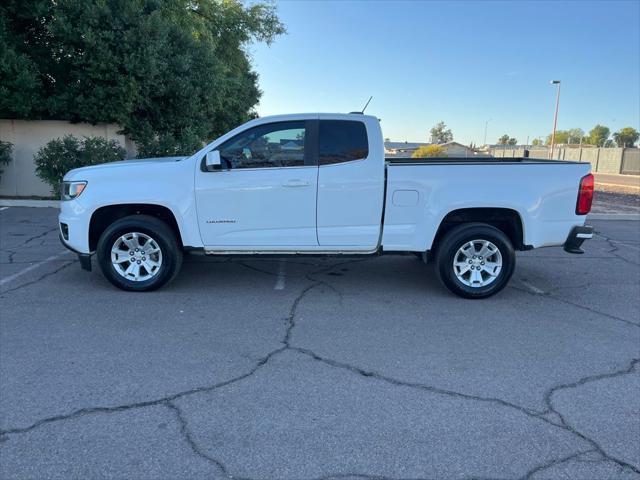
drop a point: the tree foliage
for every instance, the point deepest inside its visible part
(626, 137)
(598, 135)
(6, 148)
(59, 156)
(536, 142)
(440, 133)
(172, 73)
(507, 140)
(567, 137)
(429, 151)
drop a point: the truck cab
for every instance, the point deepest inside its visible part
(300, 183)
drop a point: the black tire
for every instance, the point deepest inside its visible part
(454, 240)
(160, 232)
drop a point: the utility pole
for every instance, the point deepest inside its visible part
(555, 118)
(486, 124)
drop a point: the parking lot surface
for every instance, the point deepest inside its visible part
(312, 368)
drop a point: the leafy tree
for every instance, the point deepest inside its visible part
(506, 140)
(59, 156)
(5, 154)
(172, 73)
(598, 135)
(626, 137)
(440, 133)
(536, 142)
(574, 135)
(503, 140)
(429, 151)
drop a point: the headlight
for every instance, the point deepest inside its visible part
(71, 190)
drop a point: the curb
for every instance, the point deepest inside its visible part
(6, 202)
(614, 216)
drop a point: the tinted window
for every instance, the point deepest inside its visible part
(272, 145)
(342, 141)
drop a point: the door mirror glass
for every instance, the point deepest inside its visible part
(213, 160)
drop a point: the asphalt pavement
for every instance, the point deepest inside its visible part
(312, 368)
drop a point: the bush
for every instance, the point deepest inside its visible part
(59, 156)
(430, 151)
(5, 154)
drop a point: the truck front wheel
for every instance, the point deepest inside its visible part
(475, 260)
(139, 253)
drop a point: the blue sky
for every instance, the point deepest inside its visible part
(460, 62)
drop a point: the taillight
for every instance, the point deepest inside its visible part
(585, 195)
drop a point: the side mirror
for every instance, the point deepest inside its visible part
(213, 160)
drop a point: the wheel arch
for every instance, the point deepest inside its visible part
(104, 216)
(507, 220)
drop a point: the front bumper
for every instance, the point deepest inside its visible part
(577, 235)
(84, 258)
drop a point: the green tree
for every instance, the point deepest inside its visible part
(566, 137)
(172, 73)
(506, 140)
(5, 154)
(440, 133)
(536, 142)
(598, 135)
(626, 137)
(429, 151)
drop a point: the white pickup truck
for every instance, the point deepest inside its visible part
(319, 184)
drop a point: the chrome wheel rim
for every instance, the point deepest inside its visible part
(136, 257)
(477, 263)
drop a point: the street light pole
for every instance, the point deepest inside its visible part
(485, 131)
(555, 118)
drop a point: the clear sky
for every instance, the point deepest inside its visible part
(462, 62)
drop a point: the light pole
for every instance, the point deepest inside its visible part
(555, 118)
(486, 124)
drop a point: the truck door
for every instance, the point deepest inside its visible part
(264, 193)
(350, 183)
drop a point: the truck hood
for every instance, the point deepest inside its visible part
(80, 173)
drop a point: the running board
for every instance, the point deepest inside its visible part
(291, 252)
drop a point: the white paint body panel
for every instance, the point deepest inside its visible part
(336, 209)
(263, 206)
(351, 196)
(543, 194)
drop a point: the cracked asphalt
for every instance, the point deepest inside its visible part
(313, 368)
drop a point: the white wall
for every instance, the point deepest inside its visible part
(28, 136)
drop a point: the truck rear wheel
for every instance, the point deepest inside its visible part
(139, 253)
(475, 260)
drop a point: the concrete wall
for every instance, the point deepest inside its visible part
(631, 161)
(603, 160)
(28, 136)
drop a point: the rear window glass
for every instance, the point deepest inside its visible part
(342, 141)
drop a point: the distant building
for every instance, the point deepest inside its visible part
(402, 149)
(406, 149)
(455, 149)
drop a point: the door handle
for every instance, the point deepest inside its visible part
(296, 183)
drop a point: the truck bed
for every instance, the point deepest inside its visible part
(542, 192)
(472, 160)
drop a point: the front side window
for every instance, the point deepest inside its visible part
(272, 145)
(342, 141)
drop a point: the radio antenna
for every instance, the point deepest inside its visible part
(366, 104)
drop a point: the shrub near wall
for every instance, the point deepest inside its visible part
(5, 154)
(59, 156)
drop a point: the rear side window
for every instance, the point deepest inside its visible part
(342, 141)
